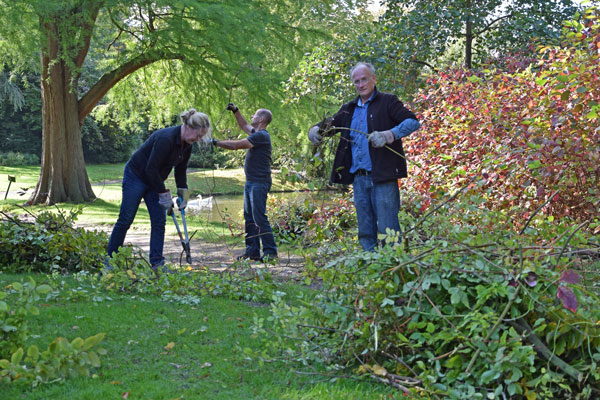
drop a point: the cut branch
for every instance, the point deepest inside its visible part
(523, 328)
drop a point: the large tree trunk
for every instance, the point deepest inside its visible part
(63, 177)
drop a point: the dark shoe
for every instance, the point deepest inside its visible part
(162, 267)
(248, 257)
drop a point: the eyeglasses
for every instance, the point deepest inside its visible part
(361, 81)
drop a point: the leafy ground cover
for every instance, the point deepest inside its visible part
(190, 347)
(467, 307)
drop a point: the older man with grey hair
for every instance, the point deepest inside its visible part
(369, 154)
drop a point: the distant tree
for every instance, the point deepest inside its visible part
(196, 44)
(416, 35)
(424, 30)
(20, 117)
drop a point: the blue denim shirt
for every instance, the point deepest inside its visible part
(360, 143)
(361, 158)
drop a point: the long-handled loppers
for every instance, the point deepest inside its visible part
(184, 242)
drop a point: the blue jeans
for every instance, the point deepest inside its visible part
(257, 226)
(134, 189)
(377, 206)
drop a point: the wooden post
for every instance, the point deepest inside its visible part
(11, 179)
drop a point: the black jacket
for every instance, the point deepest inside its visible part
(162, 151)
(385, 111)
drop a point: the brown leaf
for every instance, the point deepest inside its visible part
(169, 346)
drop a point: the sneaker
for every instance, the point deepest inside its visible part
(248, 257)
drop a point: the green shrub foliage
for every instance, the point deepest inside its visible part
(62, 359)
(12, 159)
(464, 313)
(312, 221)
(49, 242)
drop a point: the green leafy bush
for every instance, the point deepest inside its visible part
(62, 359)
(465, 313)
(50, 242)
(311, 221)
(13, 159)
(13, 319)
(208, 157)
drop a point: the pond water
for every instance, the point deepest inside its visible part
(225, 207)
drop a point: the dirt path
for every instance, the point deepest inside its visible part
(212, 255)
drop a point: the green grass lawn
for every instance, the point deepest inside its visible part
(205, 361)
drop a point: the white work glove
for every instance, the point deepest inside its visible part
(313, 135)
(164, 199)
(183, 195)
(381, 138)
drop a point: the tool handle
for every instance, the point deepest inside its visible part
(177, 226)
(187, 240)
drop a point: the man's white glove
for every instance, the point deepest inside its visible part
(313, 135)
(381, 138)
(183, 195)
(164, 199)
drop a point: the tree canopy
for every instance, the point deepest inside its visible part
(197, 50)
(413, 37)
(424, 30)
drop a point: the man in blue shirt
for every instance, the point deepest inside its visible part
(370, 154)
(257, 168)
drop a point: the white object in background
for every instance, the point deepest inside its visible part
(199, 204)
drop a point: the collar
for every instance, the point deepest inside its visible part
(359, 102)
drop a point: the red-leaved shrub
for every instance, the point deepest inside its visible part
(528, 133)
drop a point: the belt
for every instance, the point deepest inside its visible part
(362, 172)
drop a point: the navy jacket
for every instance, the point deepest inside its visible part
(385, 111)
(162, 151)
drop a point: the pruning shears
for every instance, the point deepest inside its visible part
(185, 243)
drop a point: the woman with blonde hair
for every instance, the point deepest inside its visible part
(144, 176)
